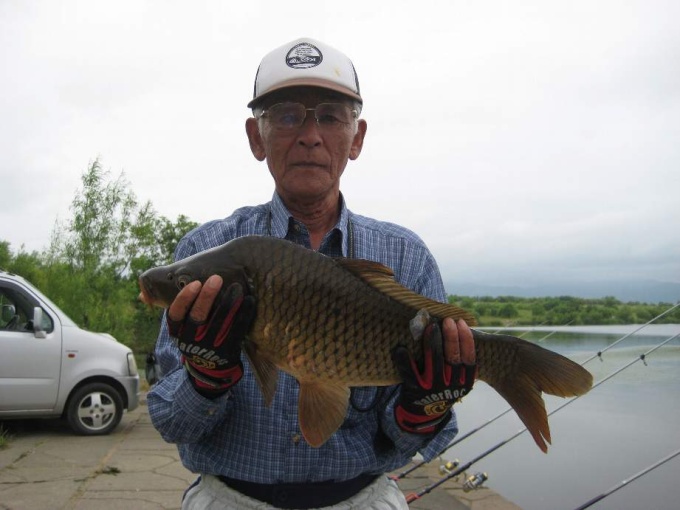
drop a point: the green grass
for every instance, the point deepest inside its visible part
(4, 438)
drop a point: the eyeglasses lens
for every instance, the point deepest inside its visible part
(292, 115)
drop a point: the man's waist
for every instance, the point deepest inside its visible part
(301, 495)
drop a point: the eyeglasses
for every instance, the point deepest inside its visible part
(289, 116)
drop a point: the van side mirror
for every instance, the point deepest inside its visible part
(38, 330)
(7, 313)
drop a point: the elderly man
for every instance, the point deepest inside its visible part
(306, 125)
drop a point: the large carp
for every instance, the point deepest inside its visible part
(332, 323)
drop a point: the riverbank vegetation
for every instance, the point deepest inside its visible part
(91, 267)
(4, 437)
(508, 311)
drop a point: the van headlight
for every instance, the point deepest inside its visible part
(132, 364)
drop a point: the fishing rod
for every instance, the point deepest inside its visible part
(553, 331)
(410, 470)
(426, 490)
(623, 483)
(529, 330)
(413, 496)
(599, 353)
(500, 415)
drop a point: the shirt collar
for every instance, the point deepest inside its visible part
(279, 217)
(281, 220)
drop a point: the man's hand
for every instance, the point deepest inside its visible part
(446, 374)
(209, 327)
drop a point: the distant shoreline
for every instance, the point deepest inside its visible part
(639, 291)
(616, 329)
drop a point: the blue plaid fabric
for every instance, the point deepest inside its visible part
(236, 435)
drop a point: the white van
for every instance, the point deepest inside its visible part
(51, 368)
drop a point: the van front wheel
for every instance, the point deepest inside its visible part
(95, 409)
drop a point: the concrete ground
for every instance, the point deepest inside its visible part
(46, 467)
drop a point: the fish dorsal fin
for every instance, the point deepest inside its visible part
(266, 373)
(381, 278)
(321, 410)
(366, 269)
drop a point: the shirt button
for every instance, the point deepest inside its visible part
(296, 438)
(211, 411)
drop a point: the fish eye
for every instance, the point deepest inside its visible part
(183, 281)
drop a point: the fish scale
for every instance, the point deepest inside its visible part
(333, 324)
(336, 346)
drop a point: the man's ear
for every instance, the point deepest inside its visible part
(254, 139)
(358, 141)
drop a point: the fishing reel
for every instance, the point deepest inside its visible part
(475, 481)
(447, 467)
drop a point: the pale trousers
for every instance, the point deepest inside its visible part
(211, 494)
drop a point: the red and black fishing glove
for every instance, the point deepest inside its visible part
(429, 389)
(211, 349)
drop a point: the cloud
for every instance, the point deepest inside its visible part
(527, 140)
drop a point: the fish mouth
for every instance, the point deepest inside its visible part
(146, 294)
(144, 298)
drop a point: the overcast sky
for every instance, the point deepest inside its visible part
(522, 140)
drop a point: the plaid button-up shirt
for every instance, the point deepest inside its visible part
(236, 435)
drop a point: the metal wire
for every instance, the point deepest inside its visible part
(629, 480)
(491, 420)
(456, 472)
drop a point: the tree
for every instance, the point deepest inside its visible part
(5, 255)
(94, 258)
(102, 231)
(507, 310)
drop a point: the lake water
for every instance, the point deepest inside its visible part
(599, 440)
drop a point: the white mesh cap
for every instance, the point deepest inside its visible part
(306, 62)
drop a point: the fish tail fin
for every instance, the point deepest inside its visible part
(521, 371)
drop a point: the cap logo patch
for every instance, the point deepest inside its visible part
(303, 56)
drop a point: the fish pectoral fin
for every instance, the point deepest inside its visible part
(266, 373)
(322, 408)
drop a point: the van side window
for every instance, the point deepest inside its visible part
(16, 311)
(11, 316)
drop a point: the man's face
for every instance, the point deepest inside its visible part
(305, 162)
